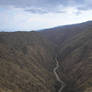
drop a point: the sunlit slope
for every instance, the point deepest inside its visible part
(26, 63)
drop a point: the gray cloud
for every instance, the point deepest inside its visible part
(44, 3)
(37, 10)
(44, 6)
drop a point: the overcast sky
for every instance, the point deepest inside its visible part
(29, 15)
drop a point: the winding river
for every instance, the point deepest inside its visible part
(57, 76)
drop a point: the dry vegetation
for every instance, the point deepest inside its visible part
(26, 63)
(74, 47)
(27, 59)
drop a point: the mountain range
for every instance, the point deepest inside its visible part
(27, 59)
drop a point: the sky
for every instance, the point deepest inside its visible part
(27, 15)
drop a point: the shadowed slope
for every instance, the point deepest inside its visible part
(74, 47)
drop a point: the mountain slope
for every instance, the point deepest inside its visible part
(74, 47)
(26, 63)
(27, 59)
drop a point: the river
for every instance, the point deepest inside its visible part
(57, 76)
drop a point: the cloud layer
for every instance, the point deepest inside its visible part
(47, 5)
(38, 14)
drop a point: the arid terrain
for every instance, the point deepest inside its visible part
(27, 59)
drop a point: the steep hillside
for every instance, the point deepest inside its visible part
(76, 56)
(27, 59)
(74, 46)
(58, 35)
(26, 63)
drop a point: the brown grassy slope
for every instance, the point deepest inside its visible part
(74, 46)
(76, 58)
(58, 35)
(26, 63)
